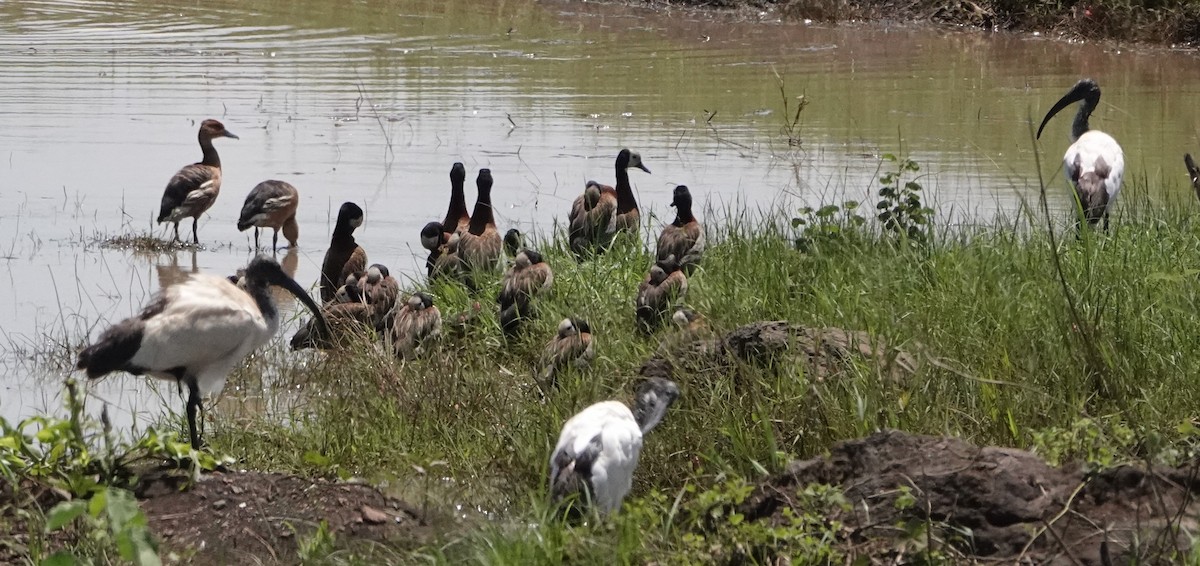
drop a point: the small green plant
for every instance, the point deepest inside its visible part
(113, 518)
(901, 210)
(827, 227)
(316, 547)
(1101, 444)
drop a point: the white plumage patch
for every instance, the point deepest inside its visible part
(207, 326)
(1091, 145)
(621, 444)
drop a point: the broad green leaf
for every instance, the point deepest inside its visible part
(64, 513)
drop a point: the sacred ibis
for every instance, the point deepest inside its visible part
(195, 187)
(598, 449)
(1094, 162)
(196, 332)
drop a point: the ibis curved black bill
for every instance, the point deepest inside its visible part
(281, 279)
(1086, 90)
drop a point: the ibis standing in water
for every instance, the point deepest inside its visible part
(599, 447)
(195, 187)
(1094, 162)
(196, 332)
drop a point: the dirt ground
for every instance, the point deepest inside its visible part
(993, 505)
(252, 517)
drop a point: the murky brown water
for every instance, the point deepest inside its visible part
(372, 101)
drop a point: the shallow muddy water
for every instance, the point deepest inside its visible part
(373, 101)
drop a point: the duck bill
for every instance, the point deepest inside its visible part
(230, 134)
(642, 167)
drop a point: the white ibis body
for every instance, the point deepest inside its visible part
(599, 447)
(1094, 163)
(195, 333)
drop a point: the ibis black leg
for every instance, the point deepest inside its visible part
(193, 403)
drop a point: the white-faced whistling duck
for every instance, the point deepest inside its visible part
(416, 323)
(345, 256)
(614, 210)
(572, 345)
(664, 285)
(345, 323)
(480, 245)
(1193, 173)
(514, 240)
(528, 277)
(271, 204)
(381, 291)
(194, 188)
(1094, 163)
(598, 449)
(435, 235)
(196, 332)
(683, 238)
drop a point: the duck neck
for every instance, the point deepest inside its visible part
(458, 207)
(343, 232)
(482, 217)
(625, 199)
(683, 214)
(210, 153)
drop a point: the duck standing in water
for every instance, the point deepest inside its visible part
(683, 238)
(272, 204)
(195, 187)
(196, 332)
(344, 256)
(598, 448)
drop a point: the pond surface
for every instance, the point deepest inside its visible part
(372, 102)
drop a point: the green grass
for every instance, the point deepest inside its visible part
(1003, 361)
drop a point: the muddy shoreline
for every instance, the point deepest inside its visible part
(1173, 24)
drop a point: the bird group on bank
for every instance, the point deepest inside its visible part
(195, 333)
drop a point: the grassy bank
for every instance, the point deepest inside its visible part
(1080, 349)
(1173, 22)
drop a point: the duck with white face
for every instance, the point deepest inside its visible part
(529, 277)
(194, 188)
(665, 285)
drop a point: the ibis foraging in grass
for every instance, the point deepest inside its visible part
(344, 256)
(598, 449)
(1094, 162)
(683, 238)
(196, 332)
(195, 187)
(271, 204)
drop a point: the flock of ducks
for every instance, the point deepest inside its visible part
(195, 333)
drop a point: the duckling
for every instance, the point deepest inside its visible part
(272, 204)
(345, 323)
(572, 345)
(381, 291)
(344, 256)
(480, 245)
(665, 284)
(195, 187)
(683, 238)
(416, 322)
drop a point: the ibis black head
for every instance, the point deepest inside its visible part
(1085, 90)
(458, 174)
(213, 129)
(627, 159)
(682, 197)
(264, 271)
(654, 396)
(350, 215)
